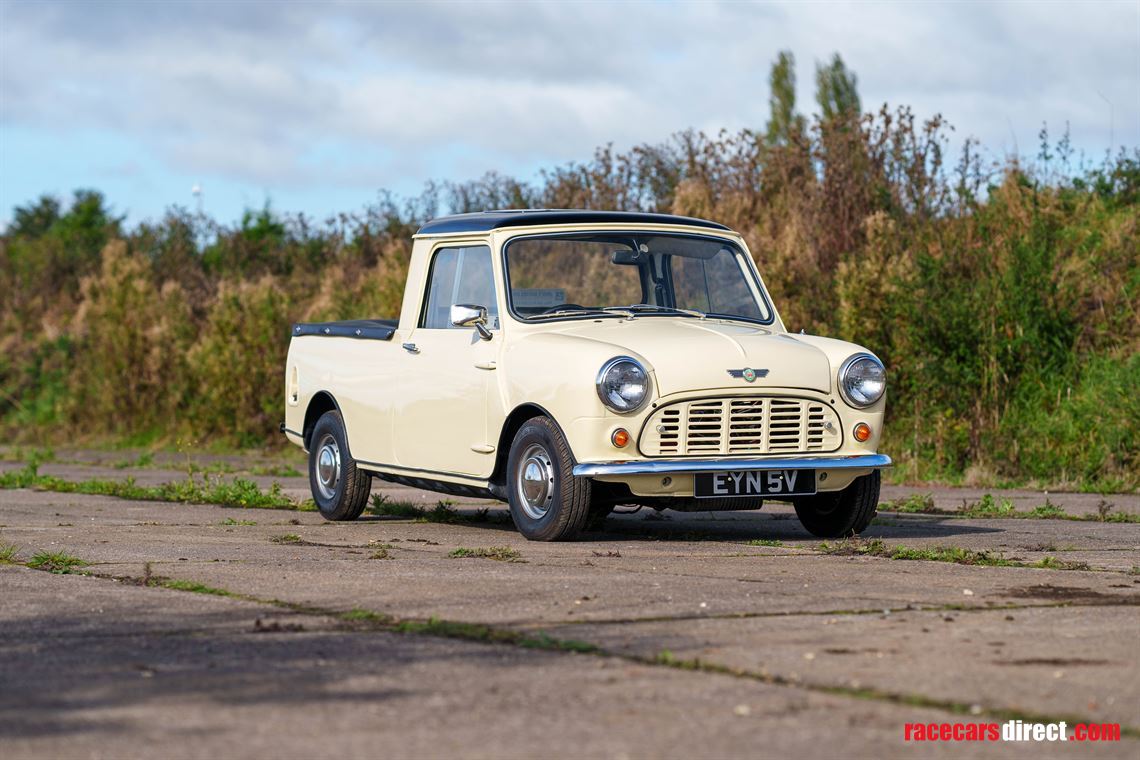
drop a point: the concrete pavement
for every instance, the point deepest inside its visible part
(654, 637)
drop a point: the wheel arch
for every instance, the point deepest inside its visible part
(515, 420)
(319, 404)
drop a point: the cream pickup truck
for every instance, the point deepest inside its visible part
(570, 361)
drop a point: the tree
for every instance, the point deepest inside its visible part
(784, 124)
(35, 219)
(835, 90)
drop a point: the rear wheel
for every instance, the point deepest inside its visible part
(547, 502)
(339, 488)
(841, 513)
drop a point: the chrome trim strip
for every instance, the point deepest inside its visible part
(666, 466)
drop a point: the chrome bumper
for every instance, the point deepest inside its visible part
(667, 466)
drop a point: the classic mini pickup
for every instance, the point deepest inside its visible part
(570, 361)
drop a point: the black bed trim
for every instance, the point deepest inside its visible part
(365, 329)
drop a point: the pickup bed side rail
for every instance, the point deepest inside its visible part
(365, 329)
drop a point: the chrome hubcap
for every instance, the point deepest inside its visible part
(328, 466)
(535, 482)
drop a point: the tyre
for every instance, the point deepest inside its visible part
(547, 502)
(339, 488)
(842, 513)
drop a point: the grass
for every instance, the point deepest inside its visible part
(232, 521)
(443, 512)
(286, 538)
(383, 551)
(236, 493)
(8, 554)
(358, 615)
(37, 455)
(55, 562)
(764, 542)
(1052, 563)
(878, 548)
(145, 459)
(277, 471)
(989, 507)
(915, 503)
(499, 553)
(191, 586)
(489, 634)
(382, 506)
(955, 554)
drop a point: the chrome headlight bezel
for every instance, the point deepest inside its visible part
(600, 384)
(860, 401)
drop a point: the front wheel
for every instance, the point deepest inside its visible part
(339, 488)
(841, 513)
(547, 502)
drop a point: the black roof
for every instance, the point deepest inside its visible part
(483, 221)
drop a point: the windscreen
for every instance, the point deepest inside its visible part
(568, 276)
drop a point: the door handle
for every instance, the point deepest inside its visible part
(411, 348)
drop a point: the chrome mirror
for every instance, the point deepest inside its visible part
(471, 315)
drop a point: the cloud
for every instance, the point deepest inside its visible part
(295, 95)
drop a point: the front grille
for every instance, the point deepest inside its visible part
(741, 425)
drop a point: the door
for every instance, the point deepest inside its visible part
(449, 371)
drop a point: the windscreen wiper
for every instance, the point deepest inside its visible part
(572, 312)
(670, 309)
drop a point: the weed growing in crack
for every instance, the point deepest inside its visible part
(8, 554)
(191, 586)
(1052, 563)
(358, 615)
(235, 493)
(878, 548)
(382, 506)
(499, 553)
(443, 512)
(383, 551)
(990, 508)
(55, 562)
(915, 503)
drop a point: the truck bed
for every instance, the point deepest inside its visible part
(365, 329)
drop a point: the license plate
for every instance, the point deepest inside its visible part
(717, 485)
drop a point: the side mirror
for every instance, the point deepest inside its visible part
(471, 315)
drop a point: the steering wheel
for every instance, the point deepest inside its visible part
(564, 307)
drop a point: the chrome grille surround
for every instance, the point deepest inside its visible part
(741, 425)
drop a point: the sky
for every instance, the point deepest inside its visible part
(318, 107)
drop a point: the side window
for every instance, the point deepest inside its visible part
(460, 275)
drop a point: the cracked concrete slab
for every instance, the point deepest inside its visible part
(93, 668)
(689, 584)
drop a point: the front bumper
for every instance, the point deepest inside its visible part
(691, 466)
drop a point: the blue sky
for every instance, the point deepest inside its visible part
(320, 106)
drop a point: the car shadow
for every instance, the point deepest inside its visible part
(783, 526)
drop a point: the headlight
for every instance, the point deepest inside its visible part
(862, 380)
(623, 384)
